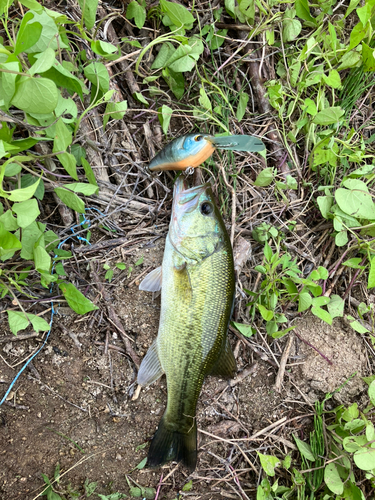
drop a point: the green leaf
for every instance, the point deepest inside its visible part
(185, 56)
(88, 8)
(269, 462)
(42, 260)
(70, 199)
(76, 300)
(116, 110)
(310, 106)
(18, 321)
(63, 78)
(204, 101)
(336, 306)
(63, 137)
(371, 392)
(304, 301)
(357, 203)
(267, 315)
(178, 14)
(81, 187)
(246, 330)
(368, 54)
(242, 104)
(32, 5)
(136, 12)
(122, 266)
(103, 48)
(140, 98)
(35, 95)
(9, 243)
(303, 11)
(291, 29)
(341, 238)
(349, 60)
(98, 75)
(357, 34)
(353, 263)
(356, 325)
(89, 172)
(333, 79)
(188, 486)
(265, 177)
(322, 314)
(49, 36)
(304, 449)
(9, 221)
(142, 464)
(44, 61)
(26, 193)
(165, 115)
(329, 116)
(27, 212)
(325, 204)
(333, 479)
(365, 458)
(28, 34)
(165, 52)
(371, 274)
(175, 82)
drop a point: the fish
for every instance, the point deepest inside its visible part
(192, 150)
(197, 285)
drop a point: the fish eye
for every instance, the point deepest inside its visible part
(198, 138)
(206, 208)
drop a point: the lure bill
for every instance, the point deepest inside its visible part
(192, 150)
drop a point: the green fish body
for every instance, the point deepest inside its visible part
(197, 282)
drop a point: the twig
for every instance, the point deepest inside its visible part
(284, 359)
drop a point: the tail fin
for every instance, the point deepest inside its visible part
(169, 445)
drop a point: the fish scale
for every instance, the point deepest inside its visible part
(196, 302)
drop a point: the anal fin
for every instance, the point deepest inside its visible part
(152, 282)
(150, 369)
(225, 365)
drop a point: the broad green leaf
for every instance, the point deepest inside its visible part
(76, 300)
(246, 330)
(89, 172)
(25, 193)
(349, 60)
(354, 263)
(18, 321)
(49, 36)
(204, 100)
(356, 325)
(136, 12)
(267, 315)
(371, 274)
(368, 54)
(63, 137)
(304, 301)
(175, 82)
(69, 163)
(333, 79)
(356, 203)
(30, 235)
(341, 238)
(81, 187)
(265, 177)
(88, 8)
(371, 392)
(188, 486)
(325, 204)
(329, 116)
(333, 479)
(63, 78)
(28, 34)
(9, 221)
(304, 449)
(303, 11)
(178, 14)
(185, 56)
(70, 199)
(27, 212)
(242, 103)
(336, 306)
(44, 61)
(30, 180)
(42, 259)
(35, 95)
(98, 75)
(357, 35)
(8, 243)
(322, 314)
(165, 115)
(269, 462)
(310, 106)
(365, 458)
(115, 110)
(165, 53)
(364, 13)
(103, 48)
(32, 5)
(8, 82)
(291, 29)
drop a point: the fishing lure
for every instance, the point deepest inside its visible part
(192, 150)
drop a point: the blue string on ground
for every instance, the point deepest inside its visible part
(53, 312)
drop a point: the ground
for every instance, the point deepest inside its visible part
(75, 406)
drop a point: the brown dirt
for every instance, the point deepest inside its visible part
(75, 408)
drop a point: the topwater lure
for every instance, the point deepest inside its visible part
(192, 150)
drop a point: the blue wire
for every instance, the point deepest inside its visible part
(53, 312)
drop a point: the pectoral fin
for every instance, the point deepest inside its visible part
(150, 369)
(152, 282)
(225, 366)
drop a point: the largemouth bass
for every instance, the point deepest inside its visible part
(192, 150)
(197, 292)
